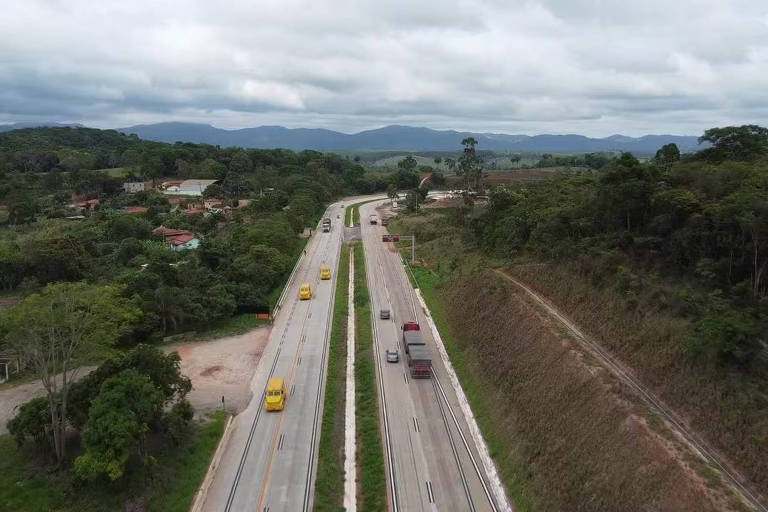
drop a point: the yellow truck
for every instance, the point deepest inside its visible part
(275, 397)
(325, 272)
(305, 292)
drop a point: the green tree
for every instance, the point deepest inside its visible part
(470, 166)
(408, 163)
(744, 142)
(61, 328)
(118, 423)
(667, 155)
(392, 191)
(241, 163)
(21, 211)
(162, 370)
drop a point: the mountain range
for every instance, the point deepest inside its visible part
(393, 137)
(398, 137)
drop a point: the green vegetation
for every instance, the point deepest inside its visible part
(137, 440)
(232, 326)
(512, 471)
(372, 487)
(27, 486)
(329, 485)
(664, 262)
(354, 212)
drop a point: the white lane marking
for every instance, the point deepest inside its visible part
(429, 492)
(280, 443)
(293, 389)
(416, 424)
(405, 376)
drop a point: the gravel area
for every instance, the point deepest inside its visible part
(219, 367)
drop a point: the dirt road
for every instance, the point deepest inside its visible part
(219, 367)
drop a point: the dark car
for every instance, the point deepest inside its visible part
(384, 314)
(393, 356)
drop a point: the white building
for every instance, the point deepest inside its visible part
(189, 187)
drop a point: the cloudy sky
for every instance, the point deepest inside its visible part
(595, 67)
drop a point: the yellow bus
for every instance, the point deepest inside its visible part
(325, 272)
(305, 292)
(275, 397)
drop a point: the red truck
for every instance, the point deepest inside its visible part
(419, 360)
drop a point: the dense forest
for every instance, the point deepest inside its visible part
(700, 221)
(270, 197)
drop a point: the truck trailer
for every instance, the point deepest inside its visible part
(420, 362)
(411, 339)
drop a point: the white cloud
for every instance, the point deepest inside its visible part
(584, 66)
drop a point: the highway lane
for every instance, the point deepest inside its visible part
(269, 462)
(432, 453)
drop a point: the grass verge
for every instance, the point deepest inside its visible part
(513, 474)
(354, 211)
(372, 485)
(329, 485)
(26, 486)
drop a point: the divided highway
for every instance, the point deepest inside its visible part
(269, 462)
(432, 460)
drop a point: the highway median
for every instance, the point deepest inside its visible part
(372, 493)
(329, 485)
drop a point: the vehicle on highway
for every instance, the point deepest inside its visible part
(393, 355)
(275, 395)
(384, 314)
(411, 339)
(305, 292)
(373, 219)
(325, 272)
(411, 326)
(326, 225)
(420, 362)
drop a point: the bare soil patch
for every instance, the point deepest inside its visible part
(222, 367)
(219, 367)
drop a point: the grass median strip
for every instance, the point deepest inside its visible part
(372, 489)
(354, 211)
(329, 485)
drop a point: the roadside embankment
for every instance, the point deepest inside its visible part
(565, 433)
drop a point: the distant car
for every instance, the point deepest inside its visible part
(325, 272)
(305, 292)
(393, 356)
(384, 314)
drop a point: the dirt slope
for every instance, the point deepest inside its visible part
(580, 438)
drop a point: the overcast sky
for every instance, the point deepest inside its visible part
(595, 67)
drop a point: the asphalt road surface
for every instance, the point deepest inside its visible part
(269, 463)
(432, 462)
